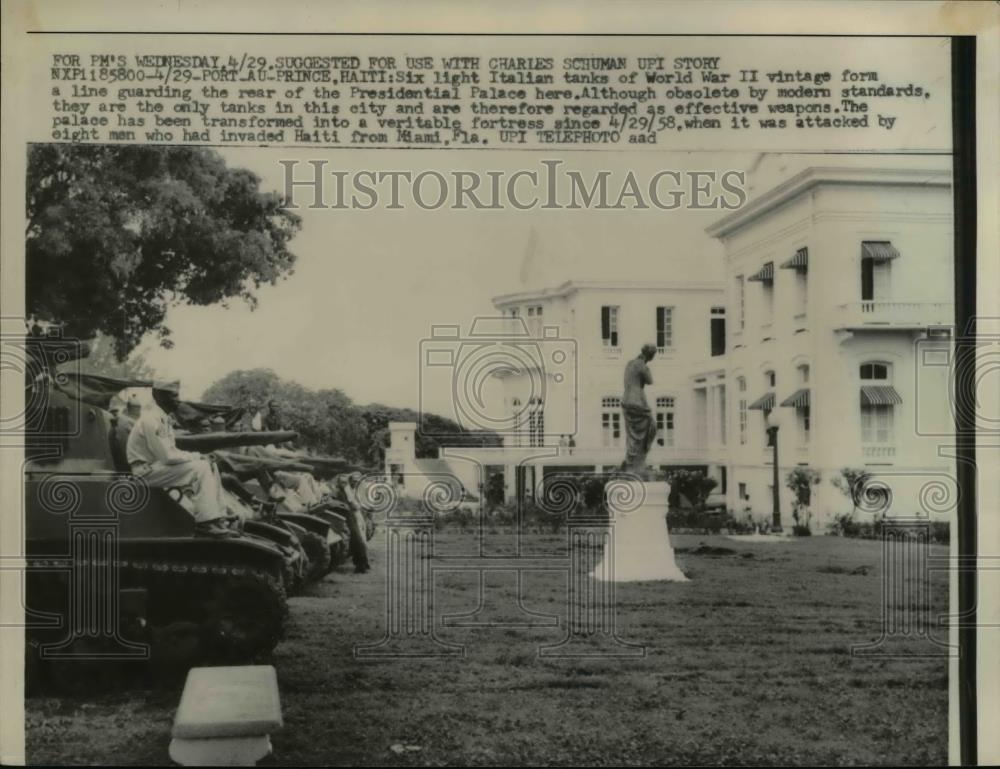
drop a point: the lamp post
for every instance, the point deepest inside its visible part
(773, 423)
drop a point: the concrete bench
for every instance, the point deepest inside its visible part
(226, 716)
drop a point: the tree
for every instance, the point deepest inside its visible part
(852, 483)
(118, 234)
(693, 485)
(440, 431)
(801, 480)
(328, 421)
(102, 359)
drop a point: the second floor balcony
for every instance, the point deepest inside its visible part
(878, 315)
(878, 452)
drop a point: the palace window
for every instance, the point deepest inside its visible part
(609, 326)
(741, 386)
(664, 328)
(718, 331)
(611, 421)
(741, 301)
(535, 320)
(517, 436)
(876, 262)
(536, 422)
(803, 411)
(665, 421)
(878, 404)
(765, 276)
(722, 416)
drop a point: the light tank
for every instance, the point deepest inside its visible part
(115, 569)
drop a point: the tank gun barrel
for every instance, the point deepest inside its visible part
(205, 442)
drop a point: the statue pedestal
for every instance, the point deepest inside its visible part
(639, 547)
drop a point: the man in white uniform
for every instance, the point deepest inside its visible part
(153, 455)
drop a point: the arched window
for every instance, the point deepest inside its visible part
(875, 371)
(878, 409)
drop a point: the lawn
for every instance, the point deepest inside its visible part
(749, 663)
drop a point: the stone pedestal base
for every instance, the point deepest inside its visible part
(220, 751)
(226, 716)
(639, 548)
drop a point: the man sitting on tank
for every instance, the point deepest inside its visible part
(153, 455)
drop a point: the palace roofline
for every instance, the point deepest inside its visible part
(812, 177)
(572, 286)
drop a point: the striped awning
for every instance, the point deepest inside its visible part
(764, 403)
(878, 250)
(798, 262)
(798, 399)
(764, 274)
(880, 395)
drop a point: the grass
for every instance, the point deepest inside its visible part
(749, 663)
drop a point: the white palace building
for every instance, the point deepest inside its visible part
(833, 325)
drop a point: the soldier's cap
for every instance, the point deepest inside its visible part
(173, 387)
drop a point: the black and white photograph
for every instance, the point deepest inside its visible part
(499, 386)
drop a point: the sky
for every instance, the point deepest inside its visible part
(368, 285)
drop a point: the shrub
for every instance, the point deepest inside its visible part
(800, 481)
(851, 483)
(800, 530)
(698, 522)
(941, 532)
(494, 490)
(541, 518)
(694, 485)
(844, 525)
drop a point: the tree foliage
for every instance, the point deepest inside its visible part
(438, 431)
(102, 359)
(693, 485)
(117, 234)
(328, 421)
(801, 480)
(852, 482)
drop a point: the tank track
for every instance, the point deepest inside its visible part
(196, 613)
(318, 553)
